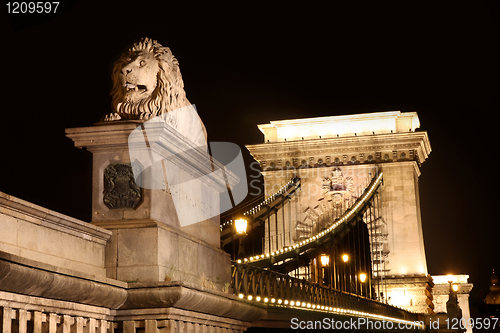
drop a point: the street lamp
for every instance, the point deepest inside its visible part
(241, 226)
(452, 307)
(345, 259)
(325, 260)
(241, 231)
(362, 278)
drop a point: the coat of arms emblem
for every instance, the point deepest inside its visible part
(120, 189)
(340, 188)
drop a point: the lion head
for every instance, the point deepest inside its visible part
(147, 82)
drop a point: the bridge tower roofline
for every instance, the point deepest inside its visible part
(347, 125)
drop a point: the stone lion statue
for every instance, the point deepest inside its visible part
(147, 83)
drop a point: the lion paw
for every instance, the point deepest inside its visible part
(112, 117)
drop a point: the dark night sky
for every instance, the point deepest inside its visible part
(248, 64)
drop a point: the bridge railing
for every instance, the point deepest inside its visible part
(279, 289)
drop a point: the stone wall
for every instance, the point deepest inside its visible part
(37, 233)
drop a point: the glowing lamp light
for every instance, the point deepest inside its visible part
(241, 226)
(454, 287)
(345, 258)
(451, 278)
(362, 277)
(325, 260)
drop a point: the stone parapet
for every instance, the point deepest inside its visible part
(39, 234)
(21, 209)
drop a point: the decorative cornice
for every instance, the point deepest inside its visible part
(42, 280)
(360, 149)
(187, 296)
(156, 138)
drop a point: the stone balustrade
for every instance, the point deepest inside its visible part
(32, 321)
(29, 314)
(24, 321)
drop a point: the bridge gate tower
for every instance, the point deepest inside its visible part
(334, 158)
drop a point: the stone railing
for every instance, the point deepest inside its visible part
(177, 320)
(24, 321)
(30, 314)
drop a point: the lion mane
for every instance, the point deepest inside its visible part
(168, 95)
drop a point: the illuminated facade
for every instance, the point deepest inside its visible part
(348, 150)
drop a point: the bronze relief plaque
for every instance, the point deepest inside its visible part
(120, 189)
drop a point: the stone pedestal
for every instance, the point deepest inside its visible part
(161, 231)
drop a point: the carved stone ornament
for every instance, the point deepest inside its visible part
(338, 187)
(146, 82)
(120, 189)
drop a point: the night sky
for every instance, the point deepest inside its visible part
(250, 63)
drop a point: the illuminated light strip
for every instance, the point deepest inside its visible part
(271, 198)
(346, 216)
(321, 308)
(257, 208)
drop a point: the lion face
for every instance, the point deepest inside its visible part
(138, 76)
(147, 82)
